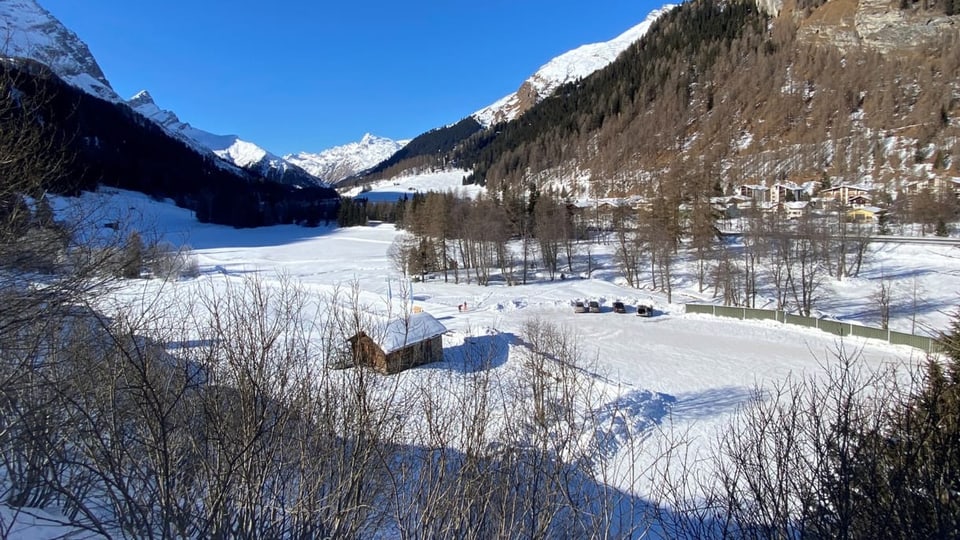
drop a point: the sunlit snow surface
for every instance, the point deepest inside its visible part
(672, 372)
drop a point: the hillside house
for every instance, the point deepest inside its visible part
(935, 185)
(400, 344)
(859, 201)
(795, 209)
(864, 214)
(786, 192)
(843, 192)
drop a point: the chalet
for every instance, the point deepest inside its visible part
(400, 344)
(864, 214)
(859, 201)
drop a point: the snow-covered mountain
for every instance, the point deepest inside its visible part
(340, 162)
(232, 148)
(567, 67)
(29, 31)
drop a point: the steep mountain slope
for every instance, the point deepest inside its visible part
(340, 162)
(232, 148)
(29, 31)
(566, 68)
(718, 94)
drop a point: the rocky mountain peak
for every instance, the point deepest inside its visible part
(29, 31)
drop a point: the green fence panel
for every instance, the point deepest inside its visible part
(759, 314)
(781, 316)
(800, 321)
(867, 332)
(920, 342)
(937, 346)
(723, 311)
(834, 327)
(700, 308)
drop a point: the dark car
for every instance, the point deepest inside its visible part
(594, 306)
(579, 307)
(618, 307)
(644, 311)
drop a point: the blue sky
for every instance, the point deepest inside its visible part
(298, 75)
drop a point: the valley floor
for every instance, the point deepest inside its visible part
(670, 373)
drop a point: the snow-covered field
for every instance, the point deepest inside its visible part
(707, 364)
(685, 372)
(396, 188)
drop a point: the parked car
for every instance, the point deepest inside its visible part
(594, 306)
(618, 307)
(644, 311)
(579, 307)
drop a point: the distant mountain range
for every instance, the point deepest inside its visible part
(341, 162)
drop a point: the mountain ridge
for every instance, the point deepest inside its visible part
(231, 148)
(341, 162)
(565, 68)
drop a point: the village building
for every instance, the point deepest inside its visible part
(783, 192)
(843, 193)
(400, 344)
(796, 209)
(936, 185)
(864, 214)
(859, 201)
(756, 192)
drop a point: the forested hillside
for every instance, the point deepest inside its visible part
(719, 94)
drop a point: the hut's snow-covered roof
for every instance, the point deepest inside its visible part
(400, 333)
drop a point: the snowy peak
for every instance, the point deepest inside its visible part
(563, 69)
(144, 104)
(29, 31)
(338, 163)
(142, 99)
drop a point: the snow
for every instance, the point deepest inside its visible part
(670, 373)
(407, 185)
(415, 328)
(569, 67)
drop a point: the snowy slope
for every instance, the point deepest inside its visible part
(232, 148)
(29, 31)
(339, 162)
(563, 69)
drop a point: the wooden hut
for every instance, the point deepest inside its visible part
(400, 344)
